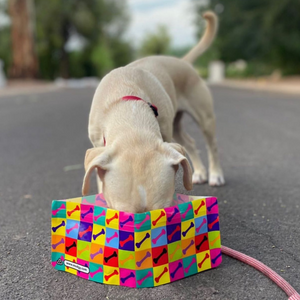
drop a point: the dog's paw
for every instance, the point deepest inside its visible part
(199, 178)
(216, 179)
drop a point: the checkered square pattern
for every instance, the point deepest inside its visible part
(135, 250)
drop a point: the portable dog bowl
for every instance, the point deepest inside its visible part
(135, 250)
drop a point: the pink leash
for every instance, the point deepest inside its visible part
(283, 284)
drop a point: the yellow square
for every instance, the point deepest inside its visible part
(72, 259)
(73, 210)
(112, 219)
(161, 275)
(77, 199)
(111, 275)
(199, 207)
(99, 233)
(142, 240)
(158, 218)
(203, 261)
(58, 226)
(188, 229)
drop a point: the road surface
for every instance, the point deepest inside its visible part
(42, 135)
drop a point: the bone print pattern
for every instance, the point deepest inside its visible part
(135, 250)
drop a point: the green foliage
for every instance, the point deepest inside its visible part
(156, 43)
(253, 69)
(101, 59)
(266, 32)
(101, 23)
(5, 55)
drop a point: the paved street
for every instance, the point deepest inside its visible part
(259, 140)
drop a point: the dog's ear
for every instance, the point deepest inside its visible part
(95, 158)
(177, 155)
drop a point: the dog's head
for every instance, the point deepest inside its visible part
(139, 180)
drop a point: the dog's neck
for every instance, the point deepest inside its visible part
(132, 121)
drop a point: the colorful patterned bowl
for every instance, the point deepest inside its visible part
(135, 250)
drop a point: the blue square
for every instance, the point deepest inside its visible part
(112, 238)
(174, 232)
(126, 240)
(85, 231)
(159, 236)
(213, 222)
(72, 228)
(200, 225)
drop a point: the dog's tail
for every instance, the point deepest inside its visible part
(207, 38)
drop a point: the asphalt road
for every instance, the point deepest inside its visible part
(259, 140)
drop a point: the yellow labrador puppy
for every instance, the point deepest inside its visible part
(133, 153)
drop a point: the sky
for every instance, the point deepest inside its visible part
(176, 15)
(146, 15)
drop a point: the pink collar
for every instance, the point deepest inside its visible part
(152, 106)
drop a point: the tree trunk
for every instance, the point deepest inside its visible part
(24, 59)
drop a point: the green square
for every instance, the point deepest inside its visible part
(186, 209)
(59, 209)
(90, 199)
(190, 265)
(144, 278)
(142, 222)
(85, 255)
(99, 215)
(96, 272)
(57, 259)
(214, 239)
(175, 254)
(130, 262)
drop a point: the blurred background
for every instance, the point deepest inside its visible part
(41, 39)
(47, 46)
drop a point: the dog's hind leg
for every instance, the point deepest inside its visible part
(181, 137)
(200, 106)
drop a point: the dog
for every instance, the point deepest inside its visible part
(134, 154)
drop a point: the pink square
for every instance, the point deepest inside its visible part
(85, 263)
(173, 215)
(126, 221)
(86, 213)
(181, 199)
(176, 270)
(100, 201)
(212, 205)
(215, 257)
(127, 278)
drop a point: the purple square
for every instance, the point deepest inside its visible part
(173, 232)
(173, 215)
(126, 240)
(85, 231)
(176, 270)
(213, 222)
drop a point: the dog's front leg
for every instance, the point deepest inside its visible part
(99, 184)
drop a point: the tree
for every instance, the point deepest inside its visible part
(156, 43)
(100, 22)
(24, 59)
(264, 32)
